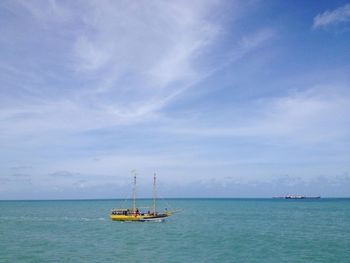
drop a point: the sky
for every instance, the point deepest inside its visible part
(219, 98)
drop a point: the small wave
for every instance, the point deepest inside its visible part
(50, 219)
(93, 219)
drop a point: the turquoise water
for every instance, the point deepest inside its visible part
(207, 230)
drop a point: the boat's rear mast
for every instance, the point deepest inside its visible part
(154, 194)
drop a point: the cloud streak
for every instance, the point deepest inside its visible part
(334, 17)
(302, 117)
(63, 174)
(126, 62)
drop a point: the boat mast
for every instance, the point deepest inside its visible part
(154, 193)
(134, 193)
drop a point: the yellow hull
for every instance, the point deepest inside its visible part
(138, 217)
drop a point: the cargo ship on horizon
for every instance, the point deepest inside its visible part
(296, 197)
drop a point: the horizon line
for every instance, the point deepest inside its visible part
(150, 198)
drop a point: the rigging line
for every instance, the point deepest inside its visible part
(163, 198)
(122, 202)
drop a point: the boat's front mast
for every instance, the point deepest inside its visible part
(134, 194)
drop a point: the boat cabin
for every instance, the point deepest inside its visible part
(120, 211)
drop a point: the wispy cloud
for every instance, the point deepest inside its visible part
(20, 167)
(63, 174)
(301, 117)
(20, 175)
(125, 57)
(123, 64)
(334, 17)
(326, 186)
(54, 11)
(138, 51)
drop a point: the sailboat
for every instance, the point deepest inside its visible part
(133, 214)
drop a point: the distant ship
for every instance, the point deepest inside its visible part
(297, 197)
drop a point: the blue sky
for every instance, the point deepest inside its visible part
(220, 98)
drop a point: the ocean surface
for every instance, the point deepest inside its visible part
(207, 230)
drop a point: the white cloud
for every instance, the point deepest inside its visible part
(301, 117)
(54, 11)
(129, 60)
(339, 15)
(139, 37)
(250, 42)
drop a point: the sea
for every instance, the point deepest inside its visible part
(203, 230)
